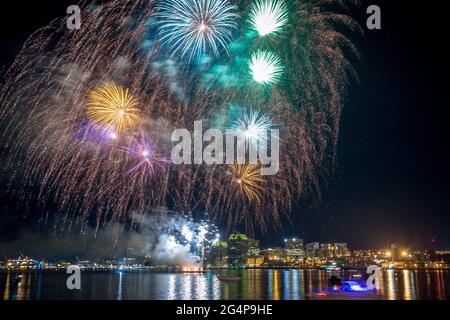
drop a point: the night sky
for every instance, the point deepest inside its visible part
(391, 182)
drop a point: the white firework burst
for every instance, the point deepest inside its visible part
(192, 28)
(254, 128)
(265, 67)
(268, 16)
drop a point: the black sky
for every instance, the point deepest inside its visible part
(392, 181)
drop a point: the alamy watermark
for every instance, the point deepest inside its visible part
(230, 147)
(374, 20)
(74, 280)
(74, 19)
(373, 282)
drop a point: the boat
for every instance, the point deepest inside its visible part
(331, 267)
(229, 278)
(344, 295)
(348, 290)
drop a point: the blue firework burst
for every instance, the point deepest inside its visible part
(192, 28)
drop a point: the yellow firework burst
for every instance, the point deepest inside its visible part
(249, 180)
(112, 106)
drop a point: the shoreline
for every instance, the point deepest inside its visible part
(172, 271)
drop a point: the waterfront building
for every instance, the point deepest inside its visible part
(326, 250)
(395, 251)
(294, 251)
(341, 249)
(238, 245)
(312, 249)
(254, 249)
(243, 251)
(273, 256)
(294, 243)
(218, 255)
(255, 261)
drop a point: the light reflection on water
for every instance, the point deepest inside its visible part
(407, 285)
(119, 290)
(254, 285)
(391, 287)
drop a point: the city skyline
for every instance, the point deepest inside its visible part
(238, 248)
(35, 245)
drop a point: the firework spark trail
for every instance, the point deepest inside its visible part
(45, 93)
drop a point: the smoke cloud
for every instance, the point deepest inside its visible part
(161, 235)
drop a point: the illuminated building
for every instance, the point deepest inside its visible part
(294, 243)
(312, 249)
(238, 246)
(255, 261)
(254, 258)
(341, 250)
(218, 255)
(273, 256)
(253, 248)
(326, 250)
(294, 250)
(395, 251)
(243, 251)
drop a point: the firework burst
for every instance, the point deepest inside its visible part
(254, 128)
(265, 67)
(114, 107)
(268, 16)
(144, 156)
(248, 180)
(193, 28)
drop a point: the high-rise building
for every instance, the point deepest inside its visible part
(326, 250)
(238, 245)
(218, 256)
(395, 251)
(341, 250)
(312, 249)
(273, 254)
(294, 249)
(253, 248)
(254, 258)
(294, 243)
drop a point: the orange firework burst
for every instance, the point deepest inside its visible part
(112, 106)
(249, 180)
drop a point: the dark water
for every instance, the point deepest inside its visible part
(255, 284)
